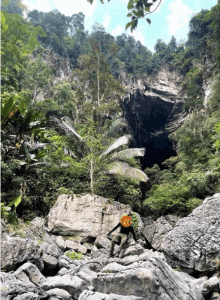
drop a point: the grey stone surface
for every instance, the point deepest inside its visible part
(134, 249)
(4, 230)
(85, 215)
(75, 246)
(15, 251)
(39, 222)
(60, 293)
(31, 271)
(72, 284)
(87, 275)
(194, 242)
(28, 296)
(215, 296)
(12, 287)
(50, 262)
(90, 295)
(60, 243)
(102, 242)
(151, 279)
(155, 231)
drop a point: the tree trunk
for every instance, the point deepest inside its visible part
(91, 177)
(98, 81)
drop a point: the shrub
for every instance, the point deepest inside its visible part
(73, 255)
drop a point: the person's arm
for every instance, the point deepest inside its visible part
(134, 236)
(114, 229)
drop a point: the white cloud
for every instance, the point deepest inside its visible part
(179, 17)
(118, 30)
(106, 22)
(41, 5)
(68, 7)
(138, 36)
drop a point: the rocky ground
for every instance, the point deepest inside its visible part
(173, 259)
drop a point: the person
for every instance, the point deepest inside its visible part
(122, 237)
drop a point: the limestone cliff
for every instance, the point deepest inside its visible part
(153, 109)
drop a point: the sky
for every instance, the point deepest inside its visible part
(171, 18)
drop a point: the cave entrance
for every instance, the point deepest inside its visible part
(148, 117)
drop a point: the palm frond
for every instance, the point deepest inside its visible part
(123, 169)
(116, 126)
(123, 140)
(66, 121)
(129, 153)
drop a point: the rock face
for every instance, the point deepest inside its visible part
(194, 243)
(151, 279)
(153, 109)
(155, 231)
(15, 251)
(85, 215)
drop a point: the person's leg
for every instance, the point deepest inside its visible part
(116, 239)
(124, 239)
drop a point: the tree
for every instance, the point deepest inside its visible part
(19, 40)
(137, 9)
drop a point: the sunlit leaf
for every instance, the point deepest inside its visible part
(124, 140)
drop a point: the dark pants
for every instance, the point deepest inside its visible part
(120, 238)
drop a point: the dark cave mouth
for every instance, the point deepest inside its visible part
(148, 117)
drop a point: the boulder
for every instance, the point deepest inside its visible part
(50, 262)
(102, 242)
(11, 287)
(215, 296)
(87, 275)
(72, 284)
(60, 293)
(4, 231)
(60, 243)
(90, 295)
(15, 251)
(211, 285)
(194, 242)
(28, 296)
(31, 271)
(70, 245)
(151, 279)
(134, 249)
(40, 235)
(85, 215)
(154, 231)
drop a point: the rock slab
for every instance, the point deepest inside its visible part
(85, 215)
(194, 242)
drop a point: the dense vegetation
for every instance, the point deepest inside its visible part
(69, 135)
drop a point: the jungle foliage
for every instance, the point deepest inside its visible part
(74, 139)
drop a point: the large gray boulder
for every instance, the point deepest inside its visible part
(72, 284)
(151, 279)
(15, 251)
(11, 287)
(90, 295)
(155, 231)
(85, 215)
(30, 271)
(194, 243)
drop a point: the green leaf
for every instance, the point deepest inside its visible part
(123, 169)
(129, 15)
(124, 140)
(128, 25)
(15, 202)
(7, 108)
(102, 1)
(130, 153)
(148, 21)
(130, 4)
